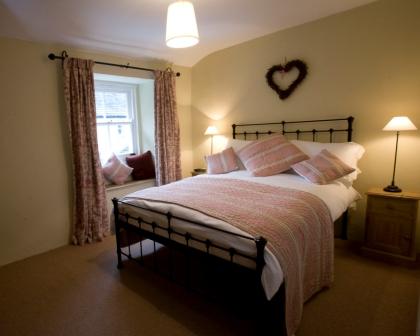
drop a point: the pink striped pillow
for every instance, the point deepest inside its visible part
(322, 168)
(223, 162)
(270, 156)
(115, 170)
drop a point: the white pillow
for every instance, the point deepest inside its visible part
(348, 152)
(238, 144)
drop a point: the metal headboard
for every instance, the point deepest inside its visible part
(285, 129)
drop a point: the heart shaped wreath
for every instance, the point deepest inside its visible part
(298, 64)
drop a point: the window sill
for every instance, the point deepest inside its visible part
(139, 183)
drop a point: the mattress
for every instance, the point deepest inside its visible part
(338, 196)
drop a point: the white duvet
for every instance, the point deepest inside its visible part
(338, 196)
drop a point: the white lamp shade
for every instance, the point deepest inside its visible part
(211, 130)
(400, 124)
(181, 26)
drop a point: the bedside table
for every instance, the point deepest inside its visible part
(198, 171)
(390, 227)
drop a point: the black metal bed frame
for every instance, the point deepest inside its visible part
(298, 131)
(138, 228)
(314, 132)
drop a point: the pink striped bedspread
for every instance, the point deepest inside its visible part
(297, 225)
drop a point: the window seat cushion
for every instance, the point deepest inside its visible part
(116, 171)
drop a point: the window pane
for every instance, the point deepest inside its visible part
(112, 106)
(121, 139)
(103, 143)
(116, 118)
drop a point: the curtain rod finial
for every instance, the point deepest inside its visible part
(51, 56)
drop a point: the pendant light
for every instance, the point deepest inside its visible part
(181, 26)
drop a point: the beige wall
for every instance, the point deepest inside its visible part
(365, 63)
(36, 188)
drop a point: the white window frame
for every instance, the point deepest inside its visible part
(131, 89)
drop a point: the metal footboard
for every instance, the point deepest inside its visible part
(145, 229)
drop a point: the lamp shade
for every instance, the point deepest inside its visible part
(181, 26)
(400, 124)
(211, 130)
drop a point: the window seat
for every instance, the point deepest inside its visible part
(141, 183)
(119, 191)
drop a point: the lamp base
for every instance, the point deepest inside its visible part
(392, 188)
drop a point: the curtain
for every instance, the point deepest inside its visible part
(167, 138)
(90, 218)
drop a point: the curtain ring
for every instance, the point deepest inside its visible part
(64, 55)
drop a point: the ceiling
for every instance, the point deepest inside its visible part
(136, 28)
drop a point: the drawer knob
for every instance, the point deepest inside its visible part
(406, 237)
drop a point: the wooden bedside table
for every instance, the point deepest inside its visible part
(390, 227)
(198, 171)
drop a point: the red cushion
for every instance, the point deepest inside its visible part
(143, 166)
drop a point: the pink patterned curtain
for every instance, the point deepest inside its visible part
(167, 139)
(90, 218)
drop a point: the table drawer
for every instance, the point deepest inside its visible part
(393, 207)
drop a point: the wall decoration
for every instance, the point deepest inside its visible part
(284, 93)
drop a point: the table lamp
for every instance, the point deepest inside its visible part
(212, 131)
(397, 124)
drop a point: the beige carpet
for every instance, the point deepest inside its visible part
(79, 291)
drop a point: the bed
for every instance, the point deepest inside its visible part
(187, 220)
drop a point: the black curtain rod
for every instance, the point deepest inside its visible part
(126, 66)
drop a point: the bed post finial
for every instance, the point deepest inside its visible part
(260, 242)
(350, 128)
(117, 231)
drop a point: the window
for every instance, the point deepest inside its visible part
(116, 118)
